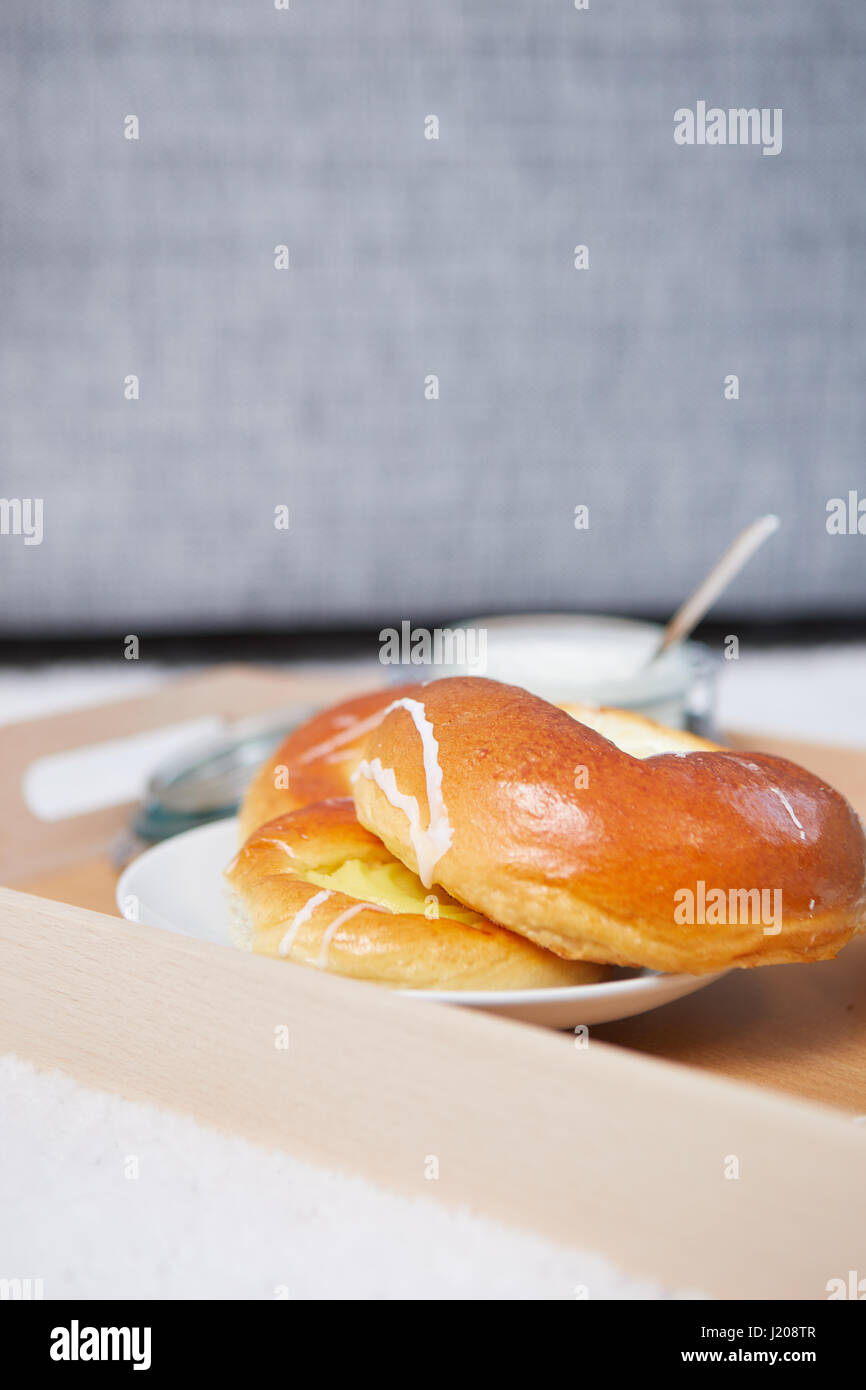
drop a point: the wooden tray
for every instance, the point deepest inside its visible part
(600, 1147)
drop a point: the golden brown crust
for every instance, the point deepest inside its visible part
(569, 840)
(317, 760)
(271, 897)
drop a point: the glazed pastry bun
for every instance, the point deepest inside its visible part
(314, 887)
(317, 759)
(680, 861)
(635, 734)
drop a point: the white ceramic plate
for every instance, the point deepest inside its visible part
(178, 885)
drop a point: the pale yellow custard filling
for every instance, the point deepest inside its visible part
(389, 885)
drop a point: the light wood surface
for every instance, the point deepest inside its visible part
(90, 882)
(798, 1028)
(603, 1148)
(30, 847)
(597, 1148)
(795, 1029)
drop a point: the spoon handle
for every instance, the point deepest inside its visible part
(738, 553)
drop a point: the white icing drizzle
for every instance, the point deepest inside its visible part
(429, 844)
(330, 931)
(753, 767)
(346, 735)
(403, 801)
(789, 808)
(300, 918)
(278, 844)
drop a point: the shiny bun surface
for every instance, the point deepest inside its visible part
(693, 859)
(317, 759)
(315, 888)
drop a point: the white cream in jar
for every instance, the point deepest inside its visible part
(593, 660)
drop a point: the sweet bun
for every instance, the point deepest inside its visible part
(635, 734)
(545, 825)
(317, 759)
(316, 888)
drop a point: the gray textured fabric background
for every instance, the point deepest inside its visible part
(410, 257)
